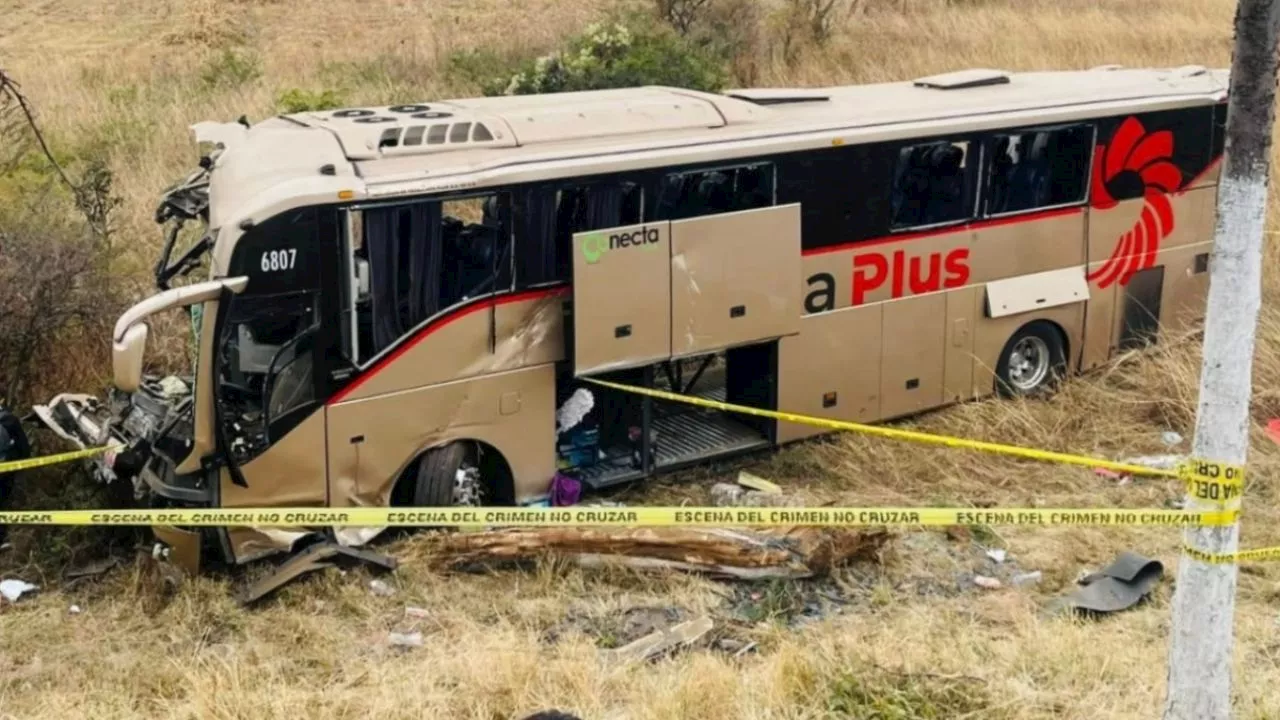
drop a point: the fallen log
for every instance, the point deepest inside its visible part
(774, 553)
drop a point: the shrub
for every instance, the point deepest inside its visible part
(295, 100)
(230, 69)
(614, 55)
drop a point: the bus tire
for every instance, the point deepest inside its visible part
(437, 474)
(1032, 361)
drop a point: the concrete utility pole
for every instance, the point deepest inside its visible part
(1199, 681)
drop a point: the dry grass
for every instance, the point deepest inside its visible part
(915, 639)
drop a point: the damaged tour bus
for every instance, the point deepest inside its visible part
(401, 302)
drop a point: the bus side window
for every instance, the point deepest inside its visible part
(425, 257)
(547, 217)
(1037, 169)
(713, 191)
(932, 185)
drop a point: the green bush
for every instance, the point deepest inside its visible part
(612, 55)
(230, 69)
(296, 100)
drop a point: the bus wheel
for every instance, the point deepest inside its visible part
(1032, 361)
(448, 476)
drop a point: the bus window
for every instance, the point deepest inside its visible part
(842, 193)
(418, 259)
(712, 191)
(932, 185)
(1037, 169)
(547, 217)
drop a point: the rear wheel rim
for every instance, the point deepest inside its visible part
(468, 487)
(1028, 363)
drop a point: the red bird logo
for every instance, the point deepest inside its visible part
(1137, 163)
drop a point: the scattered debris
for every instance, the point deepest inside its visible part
(12, 590)
(574, 410)
(416, 612)
(1120, 478)
(565, 490)
(1170, 438)
(660, 642)
(380, 588)
(313, 557)
(413, 639)
(93, 569)
(997, 555)
(755, 482)
(729, 495)
(1157, 462)
(768, 553)
(74, 609)
(989, 583)
(1029, 578)
(1273, 430)
(1119, 586)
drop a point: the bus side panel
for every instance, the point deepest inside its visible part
(529, 330)
(453, 346)
(912, 359)
(1037, 242)
(836, 353)
(994, 333)
(372, 441)
(291, 473)
(1186, 287)
(964, 310)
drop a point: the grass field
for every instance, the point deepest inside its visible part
(909, 638)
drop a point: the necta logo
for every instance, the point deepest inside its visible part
(595, 245)
(917, 273)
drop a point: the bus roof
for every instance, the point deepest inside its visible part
(435, 145)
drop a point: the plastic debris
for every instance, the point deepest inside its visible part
(74, 609)
(11, 590)
(380, 588)
(997, 555)
(755, 482)
(1119, 586)
(565, 490)
(1157, 462)
(1030, 578)
(989, 583)
(1170, 438)
(416, 613)
(1273, 430)
(413, 639)
(574, 410)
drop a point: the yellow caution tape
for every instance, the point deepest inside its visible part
(1207, 479)
(16, 465)
(635, 517)
(1258, 554)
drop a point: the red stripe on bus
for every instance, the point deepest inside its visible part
(983, 224)
(438, 324)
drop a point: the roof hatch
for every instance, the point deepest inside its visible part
(977, 77)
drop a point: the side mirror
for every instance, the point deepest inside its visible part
(126, 358)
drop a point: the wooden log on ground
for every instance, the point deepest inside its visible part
(746, 554)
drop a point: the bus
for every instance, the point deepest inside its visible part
(404, 304)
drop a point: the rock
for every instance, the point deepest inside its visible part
(1170, 438)
(380, 588)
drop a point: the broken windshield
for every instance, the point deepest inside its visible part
(180, 204)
